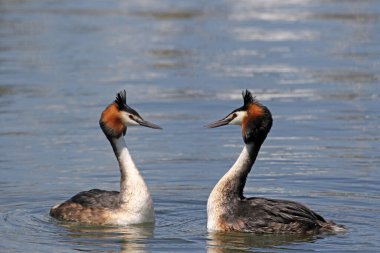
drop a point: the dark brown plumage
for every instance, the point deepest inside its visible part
(87, 206)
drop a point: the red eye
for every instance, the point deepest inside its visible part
(234, 115)
(131, 117)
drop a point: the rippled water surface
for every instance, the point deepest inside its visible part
(315, 64)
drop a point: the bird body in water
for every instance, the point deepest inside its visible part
(133, 204)
(229, 210)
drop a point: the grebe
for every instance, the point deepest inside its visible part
(133, 204)
(229, 210)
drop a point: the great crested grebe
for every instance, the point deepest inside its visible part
(229, 210)
(133, 204)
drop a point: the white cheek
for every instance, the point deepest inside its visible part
(238, 120)
(127, 120)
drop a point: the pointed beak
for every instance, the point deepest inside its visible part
(145, 123)
(219, 123)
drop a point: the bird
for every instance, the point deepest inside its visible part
(133, 204)
(229, 210)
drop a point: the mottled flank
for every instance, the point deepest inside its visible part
(260, 215)
(92, 207)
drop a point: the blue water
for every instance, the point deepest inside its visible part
(315, 64)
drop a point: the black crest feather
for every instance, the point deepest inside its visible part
(121, 99)
(248, 98)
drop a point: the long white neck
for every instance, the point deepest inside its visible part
(233, 182)
(135, 197)
(230, 186)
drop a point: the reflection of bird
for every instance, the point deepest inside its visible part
(133, 204)
(229, 210)
(130, 239)
(221, 242)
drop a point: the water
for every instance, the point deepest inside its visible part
(315, 64)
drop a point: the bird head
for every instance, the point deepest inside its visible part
(254, 118)
(118, 116)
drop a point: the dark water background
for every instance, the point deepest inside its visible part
(315, 64)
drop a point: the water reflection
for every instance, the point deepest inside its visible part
(270, 94)
(256, 34)
(272, 10)
(252, 70)
(355, 17)
(170, 58)
(241, 242)
(5, 90)
(91, 238)
(170, 14)
(348, 76)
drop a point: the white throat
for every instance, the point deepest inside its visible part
(217, 201)
(135, 198)
(238, 120)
